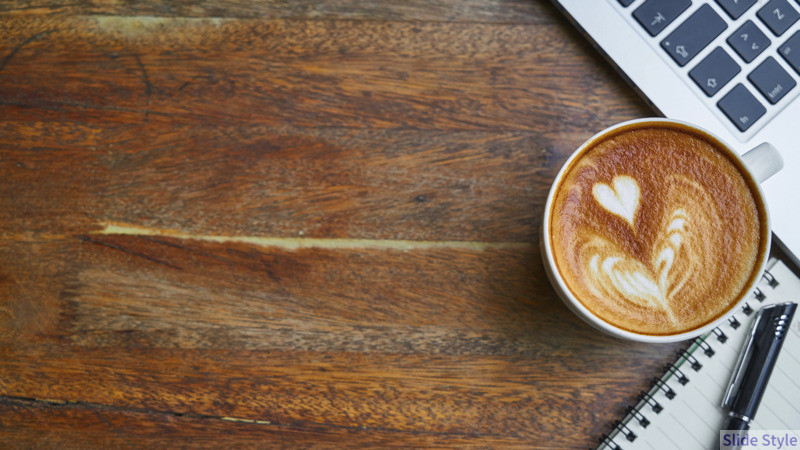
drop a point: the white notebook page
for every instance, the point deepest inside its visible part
(692, 418)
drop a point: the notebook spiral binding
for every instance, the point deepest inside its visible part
(671, 368)
(671, 374)
(647, 397)
(636, 414)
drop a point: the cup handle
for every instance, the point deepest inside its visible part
(763, 161)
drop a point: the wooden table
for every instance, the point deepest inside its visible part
(292, 224)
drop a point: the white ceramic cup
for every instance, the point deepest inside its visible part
(762, 162)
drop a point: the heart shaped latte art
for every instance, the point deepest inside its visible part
(652, 284)
(622, 199)
(676, 252)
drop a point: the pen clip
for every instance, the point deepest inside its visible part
(741, 363)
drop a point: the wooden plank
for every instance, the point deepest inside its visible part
(338, 129)
(407, 340)
(305, 73)
(255, 181)
(124, 290)
(502, 11)
(49, 425)
(455, 395)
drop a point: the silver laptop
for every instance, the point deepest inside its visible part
(730, 66)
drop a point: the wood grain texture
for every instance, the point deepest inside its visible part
(296, 224)
(441, 342)
(366, 111)
(491, 11)
(52, 425)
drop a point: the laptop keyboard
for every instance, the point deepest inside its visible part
(693, 35)
(654, 16)
(743, 56)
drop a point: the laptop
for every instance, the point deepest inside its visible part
(729, 66)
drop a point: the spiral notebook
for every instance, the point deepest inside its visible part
(682, 408)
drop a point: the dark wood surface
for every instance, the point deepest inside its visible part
(290, 224)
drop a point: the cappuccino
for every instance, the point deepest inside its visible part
(657, 229)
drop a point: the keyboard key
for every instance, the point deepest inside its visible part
(714, 71)
(790, 51)
(655, 15)
(779, 15)
(741, 107)
(693, 35)
(772, 80)
(749, 41)
(626, 3)
(735, 8)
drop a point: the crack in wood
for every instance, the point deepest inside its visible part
(29, 401)
(14, 51)
(148, 86)
(288, 243)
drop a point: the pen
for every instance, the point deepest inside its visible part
(753, 369)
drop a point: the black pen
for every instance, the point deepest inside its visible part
(752, 371)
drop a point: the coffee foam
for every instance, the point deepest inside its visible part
(655, 230)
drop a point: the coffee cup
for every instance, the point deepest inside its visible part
(655, 230)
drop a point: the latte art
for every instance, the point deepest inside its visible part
(622, 200)
(654, 282)
(656, 231)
